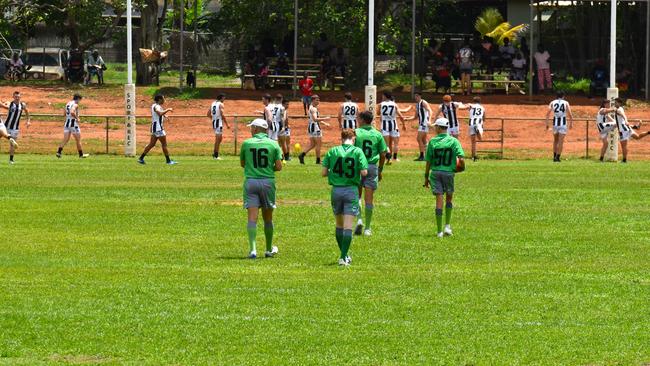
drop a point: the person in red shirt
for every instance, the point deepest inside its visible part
(306, 86)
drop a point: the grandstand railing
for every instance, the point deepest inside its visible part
(196, 128)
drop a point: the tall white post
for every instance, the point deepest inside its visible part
(129, 88)
(612, 92)
(295, 48)
(647, 51)
(413, 51)
(371, 89)
(180, 72)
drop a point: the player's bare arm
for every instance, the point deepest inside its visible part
(428, 107)
(438, 113)
(29, 118)
(340, 117)
(460, 164)
(278, 165)
(427, 170)
(223, 116)
(4, 105)
(400, 116)
(324, 172)
(382, 161)
(568, 111)
(406, 110)
(548, 115)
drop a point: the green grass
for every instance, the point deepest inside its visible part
(106, 261)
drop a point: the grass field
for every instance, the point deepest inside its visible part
(105, 261)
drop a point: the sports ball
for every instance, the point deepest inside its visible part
(297, 148)
(460, 167)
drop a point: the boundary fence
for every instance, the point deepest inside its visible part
(500, 133)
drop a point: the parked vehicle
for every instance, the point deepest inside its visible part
(47, 63)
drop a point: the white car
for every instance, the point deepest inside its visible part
(46, 62)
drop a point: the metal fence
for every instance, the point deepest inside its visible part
(504, 137)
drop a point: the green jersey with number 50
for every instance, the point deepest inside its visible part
(371, 142)
(344, 164)
(442, 152)
(259, 155)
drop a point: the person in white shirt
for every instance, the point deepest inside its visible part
(218, 116)
(560, 109)
(96, 66)
(542, 58)
(158, 119)
(464, 59)
(625, 131)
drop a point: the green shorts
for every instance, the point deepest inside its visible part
(259, 193)
(441, 182)
(345, 201)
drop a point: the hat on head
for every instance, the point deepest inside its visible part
(442, 122)
(259, 123)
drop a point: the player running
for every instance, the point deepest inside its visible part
(314, 130)
(260, 157)
(71, 126)
(444, 158)
(423, 114)
(605, 124)
(625, 131)
(560, 109)
(15, 109)
(476, 118)
(284, 138)
(374, 148)
(344, 165)
(218, 116)
(449, 109)
(389, 112)
(158, 119)
(348, 113)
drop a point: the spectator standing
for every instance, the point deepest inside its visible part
(599, 78)
(507, 52)
(306, 86)
(464, 59)
(542, 59)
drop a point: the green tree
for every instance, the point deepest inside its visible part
(491, 23)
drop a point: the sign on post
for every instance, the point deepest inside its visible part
(612, 138)
(129, 136)
(371, 98)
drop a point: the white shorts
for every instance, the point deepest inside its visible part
(73, 130)
(160, 133)
(562, 130)
(625, 135)
(218, 131)
(453, 131)
(475, 130)
(313, 130)
(389, 128)
(13, 133)
(423, 128)
(285, 133)
(316, 133)
(3, 128)
(606, 130)
(273, 134)
(393, 133)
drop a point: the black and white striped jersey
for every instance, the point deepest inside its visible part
(476, 114)
(560, 108)
(70, 119)
(621, 120)
(423, 113)
(217, 119)
(349, 114)
(14, 115)
(157, 120)
(603, 120)
(449, 111)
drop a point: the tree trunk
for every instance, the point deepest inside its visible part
(73, 29)
(149, 39)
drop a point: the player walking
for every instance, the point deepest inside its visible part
(374, 148)
(158, 119)
(605, 124)
(348, 113)
(476, 118)
(444, 158)
(560, 109)
(218, 116)
(71, 126)
(284, 137)
(260, 157)
(389, 112)
(314, 130)
(423, 114)
(277, 113)
(625, 131)
(344, 165)
(449, 109)
(11, 130)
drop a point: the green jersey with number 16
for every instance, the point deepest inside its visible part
(371, 142)
(344, 164)
(442, 152)
(259, 155)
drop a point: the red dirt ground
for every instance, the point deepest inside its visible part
(524, 137)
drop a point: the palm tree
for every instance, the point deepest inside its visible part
(491, 23)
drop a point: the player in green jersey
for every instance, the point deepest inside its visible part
(344, 165)
(260, 157)
(373, 145)
(444, 157)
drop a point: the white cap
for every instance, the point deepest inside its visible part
(259, 123)
(442, 122)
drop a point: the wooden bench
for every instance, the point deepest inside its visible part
(490, 84)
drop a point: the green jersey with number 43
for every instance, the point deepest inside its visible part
(442, 152)
(371, 142)
(259, 154)
(344, 164)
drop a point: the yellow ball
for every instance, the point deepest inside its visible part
(297, 148)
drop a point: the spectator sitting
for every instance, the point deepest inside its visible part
(599, 80)
(282, 65)
(16, 62)
(321, 47)
(95, 66)
(326, 73)
(507, 51)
